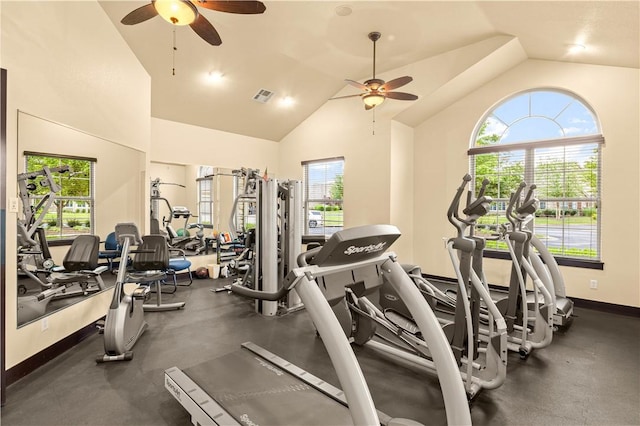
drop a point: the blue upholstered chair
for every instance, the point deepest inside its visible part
(177, 263)
(111, 250)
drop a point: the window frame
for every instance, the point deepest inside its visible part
(205, 195)
(90, 199)
(307, 200)
(529, 147)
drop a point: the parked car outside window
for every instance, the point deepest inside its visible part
(315, 218)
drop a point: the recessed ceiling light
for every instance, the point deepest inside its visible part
(576, 48)
(215, 76)
(343, 10)
(287, 101)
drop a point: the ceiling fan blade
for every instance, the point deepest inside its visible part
(358, 85)
(347, 96)
(141, 14)
(204, 29)
(245, 7)
(397, 82)
(401, 96)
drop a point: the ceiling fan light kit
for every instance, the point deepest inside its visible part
(176, 12)
(372, 100)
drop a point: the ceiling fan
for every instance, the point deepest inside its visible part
(185, 12)
(375, 91)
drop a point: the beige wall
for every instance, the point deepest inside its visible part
(66, 63)
(401, 187)
(441, 161)
(180, 143)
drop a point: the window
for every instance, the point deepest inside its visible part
(551, 139)
(205, 195)
(71, 211)
(323, 195)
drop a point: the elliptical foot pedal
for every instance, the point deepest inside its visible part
(127, 356)
(402, 322)
(223, 288)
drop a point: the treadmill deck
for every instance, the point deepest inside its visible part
(255, 388)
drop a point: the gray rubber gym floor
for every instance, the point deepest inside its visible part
(589, 375)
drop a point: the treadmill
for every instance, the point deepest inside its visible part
(274, 391)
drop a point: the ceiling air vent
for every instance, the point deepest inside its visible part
(263, 96)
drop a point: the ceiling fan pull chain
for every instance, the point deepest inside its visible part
(173, 71)
(373, 123)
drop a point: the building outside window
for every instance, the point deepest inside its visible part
(72, 213)
(552, 139)
(323, 196)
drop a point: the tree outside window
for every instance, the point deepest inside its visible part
(323, 196)
(552, 139)
(71, 214)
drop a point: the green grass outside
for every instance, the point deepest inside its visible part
(573, 252)
(567, 220)
(333, 218)
(67, 215)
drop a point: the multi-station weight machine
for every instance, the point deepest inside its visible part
(273, 209)
(32, 243)
(278, 238)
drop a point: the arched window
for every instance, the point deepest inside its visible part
(550, 138)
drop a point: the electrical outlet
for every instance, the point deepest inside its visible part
(45, 324)
(13, 205)
(593, 284)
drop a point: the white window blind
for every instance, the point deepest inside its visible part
(550, 139)
(323, 192)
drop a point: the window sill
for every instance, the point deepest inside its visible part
(56, 243)
(562, 261)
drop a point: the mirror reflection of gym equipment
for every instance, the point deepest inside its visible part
(80, 274)
(43, 259)
(178, 238)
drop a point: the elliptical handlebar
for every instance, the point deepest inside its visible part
(452, 212)
(529, 205)
(529, 194)
(479, 206)
(514, 202)
(483, 187)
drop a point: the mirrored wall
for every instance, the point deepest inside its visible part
(70, 183)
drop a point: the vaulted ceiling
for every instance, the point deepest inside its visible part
(306, 49)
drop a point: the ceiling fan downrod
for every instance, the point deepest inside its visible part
(374, 36)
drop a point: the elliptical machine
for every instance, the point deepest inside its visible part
(479, 352)
(125, 318)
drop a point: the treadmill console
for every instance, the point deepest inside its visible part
(356, 244)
